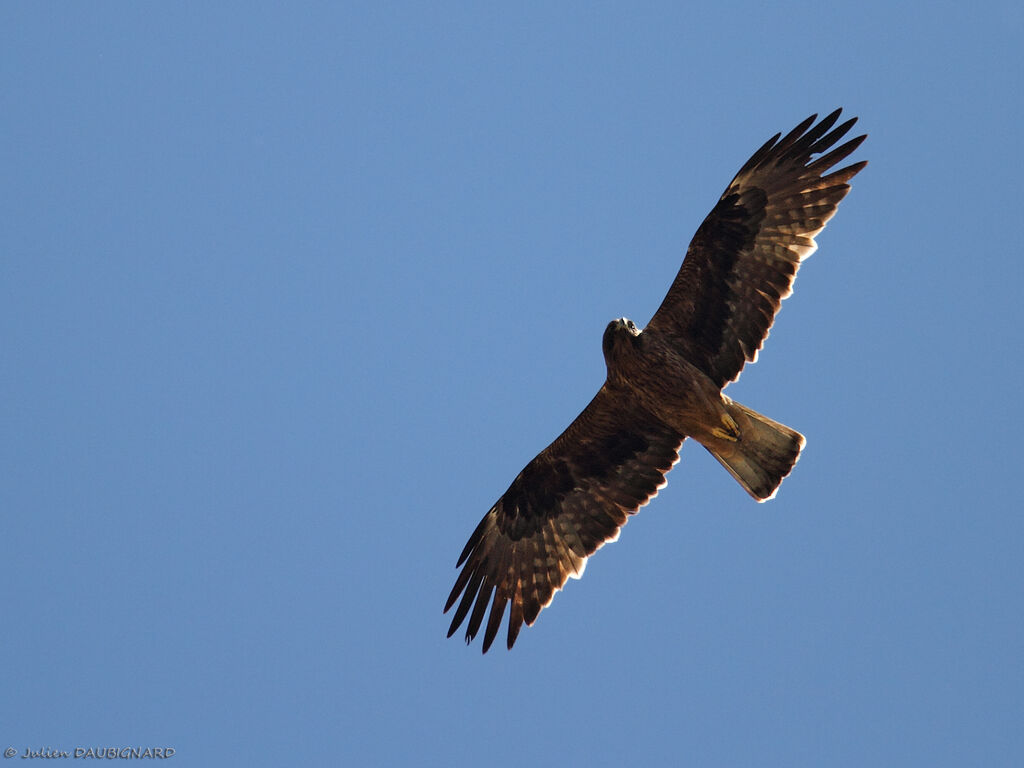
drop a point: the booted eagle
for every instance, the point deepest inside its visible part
(665, 384)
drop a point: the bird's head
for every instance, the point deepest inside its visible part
(619, 336)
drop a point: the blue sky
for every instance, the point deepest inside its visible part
(288, 296)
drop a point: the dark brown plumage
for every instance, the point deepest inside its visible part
(665, 384)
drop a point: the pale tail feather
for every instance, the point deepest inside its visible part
(764, 454)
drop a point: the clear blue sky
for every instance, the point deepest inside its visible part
(289, 294)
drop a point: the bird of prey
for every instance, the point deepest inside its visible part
(665, 384)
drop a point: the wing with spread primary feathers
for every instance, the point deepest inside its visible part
(742, 262)
(567, 502)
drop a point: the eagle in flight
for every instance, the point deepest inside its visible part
(665, 384)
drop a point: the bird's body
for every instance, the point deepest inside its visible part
(642, 366)
(650, 370)
(664, 384)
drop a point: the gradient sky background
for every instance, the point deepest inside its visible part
(289, 294)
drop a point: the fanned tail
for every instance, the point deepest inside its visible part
(763, 456)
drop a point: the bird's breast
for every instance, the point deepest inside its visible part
(671, 388)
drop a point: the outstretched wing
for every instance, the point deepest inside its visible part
(567, 502)
(742, 262)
